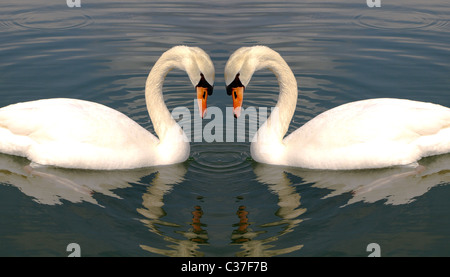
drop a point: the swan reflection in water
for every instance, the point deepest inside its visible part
(53, 186)
(152, 210)
(50, 185)
(288, 212)
(243, 235)
(396, 186)
(187, 247)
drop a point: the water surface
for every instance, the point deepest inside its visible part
(220, 202)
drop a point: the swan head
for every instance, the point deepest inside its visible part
(200, 69)
(239, 70)
(201, 73)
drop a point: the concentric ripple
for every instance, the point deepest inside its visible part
(51, 19)
(221, 158)
(404, 19)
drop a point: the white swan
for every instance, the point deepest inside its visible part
(372, 133)
(74, 133)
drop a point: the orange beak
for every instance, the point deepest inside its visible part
(238, 96)
(202, 96)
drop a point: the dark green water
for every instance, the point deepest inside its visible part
(220, 202)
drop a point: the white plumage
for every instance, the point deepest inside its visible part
(75, 133)
(372, 133)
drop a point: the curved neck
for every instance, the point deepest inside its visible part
(278, 122)
(162, 120)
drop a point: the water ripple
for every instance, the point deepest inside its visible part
(399, 19)
(50, 19)
(224, 158)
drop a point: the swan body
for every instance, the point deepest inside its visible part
(73, 133)
(372, 133)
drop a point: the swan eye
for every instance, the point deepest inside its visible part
(235, 84)
(204, 84)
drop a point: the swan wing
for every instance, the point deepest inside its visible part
(72, 133)
(371, 133)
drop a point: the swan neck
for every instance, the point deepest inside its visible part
(162, 120)
(277, 125)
